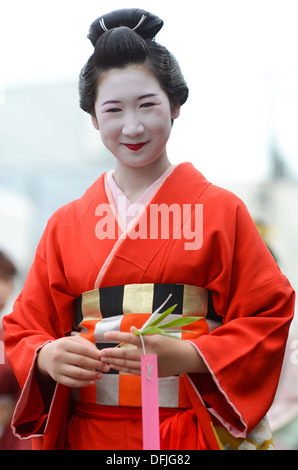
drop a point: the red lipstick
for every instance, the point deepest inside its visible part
(135, 147)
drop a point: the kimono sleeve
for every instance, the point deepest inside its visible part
(41, 313)
(245, 354)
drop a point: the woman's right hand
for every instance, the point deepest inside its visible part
(73, 361)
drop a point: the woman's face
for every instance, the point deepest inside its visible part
(133, 115)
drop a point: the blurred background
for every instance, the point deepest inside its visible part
(239, 126)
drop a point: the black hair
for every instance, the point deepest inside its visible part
(127, 37)
(7, 268)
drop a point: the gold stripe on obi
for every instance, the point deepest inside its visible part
(118, 308)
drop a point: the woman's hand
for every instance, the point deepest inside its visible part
(174, 356)
(73, 361)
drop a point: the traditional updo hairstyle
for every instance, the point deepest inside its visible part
(126, 37)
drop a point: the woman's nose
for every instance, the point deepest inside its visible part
(132, 127)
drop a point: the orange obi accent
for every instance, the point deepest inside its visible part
(120, 307)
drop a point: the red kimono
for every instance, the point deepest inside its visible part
(247, 291)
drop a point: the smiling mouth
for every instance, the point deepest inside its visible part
(135, 147)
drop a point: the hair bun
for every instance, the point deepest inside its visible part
(144, 23)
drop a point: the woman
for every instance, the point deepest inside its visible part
(9, 387)
(106, 261)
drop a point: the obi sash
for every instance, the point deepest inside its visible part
(118, 308)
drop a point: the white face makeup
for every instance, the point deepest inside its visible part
(133, 115)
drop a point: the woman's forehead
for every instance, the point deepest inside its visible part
(135, 79)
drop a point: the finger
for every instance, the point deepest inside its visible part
(118, 336)
(121, 361)
(74, 382)
(123, 353)
(127, 370)
(87, 363)
(133, 329)
(125, 365)
(82, 346)
(73, 376)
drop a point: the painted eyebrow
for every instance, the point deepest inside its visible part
(149, 95)
(110, 102)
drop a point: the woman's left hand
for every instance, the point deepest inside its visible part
(175, 356)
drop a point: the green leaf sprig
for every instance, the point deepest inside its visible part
(152, 326)
(167, 329)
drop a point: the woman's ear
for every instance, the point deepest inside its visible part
(94, 121)
(175, 112)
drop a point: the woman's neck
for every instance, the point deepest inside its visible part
(133, 181)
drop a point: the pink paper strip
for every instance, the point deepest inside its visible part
(150, 409)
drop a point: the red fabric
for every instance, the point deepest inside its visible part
(249, 291)
(106, 427)
(182, 431)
